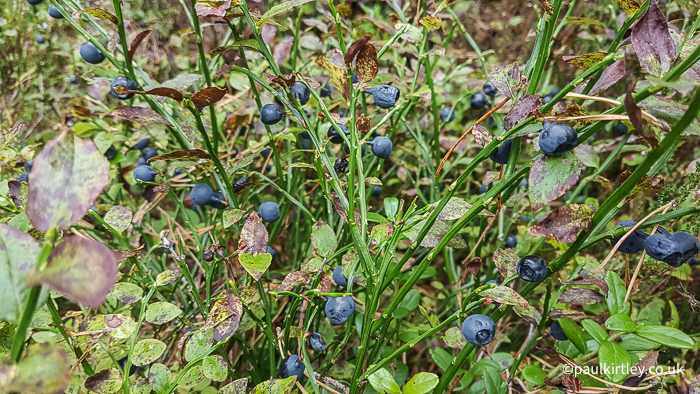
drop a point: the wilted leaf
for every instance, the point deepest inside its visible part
(184, 154)
(611, 75)
(162, 312)
(506, 295)
(547, 6)
(45, 368)
(191, 379)
(579, 296)
(526, 106)
(147, 351)
(225, 316)
(83, 271)
(168, 276)
(585, 61)
(107, 381)
(455, 208)
(339, 77)
(139, 115)
(254, 237)
(355, 48)
(363, 124)
(630, 6)
(137, 41)
(207, 96)
(431, 22)
(278, 9)
(182, 81)
(669, 111)
(18, 256)
(551, 177)
(161, 92)
(292, 279)
(281, 82)
(572, 110)
(281, 51)
(435, 235)
(506, 261)
(380, 233)
(67, 177)
(473, 267)
(506, 79)
(102, 14)
(556, 314)
(652, 42)
(565, 223)
(481, 135)
(236, 387)
(338, 206)
(119, 218)
(323, 239)
(367, 65)
(641, 125)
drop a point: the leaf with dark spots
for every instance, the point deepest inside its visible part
(338, 206)
(236, 387)
(207, 96)
(18, 256)
(653, 43)
(547, 6)
(339, 76)
(508, 296)
(573, 110)
(367, 65)
(67, 177)
(82, 270)
(140, 115)
(526, 106)
(119, 218)
(324, 286)
(630, 6)
(279, 9)
(18, 193)
(82, 112)
(214, 8)
(481, 135)
(601, 284)
(45, 368)
(168, 276)
(580, 296)
(506, 79)
(585, 61)
(363, 124)
(506, 261)
(473, 267)
(294, 278)
(105, 381)
(184, 154)
(611, 75)
(551, 177)
(436, 233)
(565, 223)
(432, 22)
(669, 111)
(355, 48)
(100, 13)
(644, 184)
(225, 316)
(137, 41)
(123, 255)
(280, 82)
(641, 125)
(556, 314)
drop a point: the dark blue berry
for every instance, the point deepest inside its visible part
(546, 99)
(125, 82)
(144, 173)
(292, 366)
(511, 241)
(23, 178)
(376, 191)
(270, 114)
(620, 128)
(91, 54)
(501, 154)
(218, 200)
(54, 12)
(557, 332)
(479, 101)
(201, 194)
(40, 39)
(111, 152)
(489, 89)
(557, 138)
(532, 268)
(141, 144)
(334, 134)
(478, 329)
(634, 243)
(301, 92)
(326, 90)
(272, 252)
(381, 147)
(385, 96)
(149, 153)
(447, 114)
(339, 309)
(269, 211)
(317, 342)
(35, 2)
(339, 277)
(240, 182)
(28, 165)
(74, 80)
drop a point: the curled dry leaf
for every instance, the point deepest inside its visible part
(184, 154)
(363, 124)
(100, 13)
(640, 124)
(367, 64)
(207, 96)
(137, 41)
(140, 115)
(355, 48)
(585, 61)
(338, 75)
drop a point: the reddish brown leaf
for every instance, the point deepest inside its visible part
(185, 154)
(338, 206)
(254, 236)
(363, 124)
(281, 82)
(367, 65)
(601, 284)
(506, 261)
(281, 51)
(526, 106)
(339, 77)
(139, 115)
(137, 41)
(611, 75)
(566, 314)
(473, 267)
(572, 383)
(565, 223)
(292, 279)
(580, 296)
(212, 8)
(551, 177)
(207, 97)
(481, 135)
(354, 48)
(653, 43)
(640, 124)
(225, 316)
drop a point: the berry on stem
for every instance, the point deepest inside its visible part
(478, 329)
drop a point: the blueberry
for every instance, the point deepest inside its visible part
(557, 138)
(376, 191)
(28, 165)
(266, 153)
(132, 369)
(341, 165)
(557, 332)
(694, 262)
(385, 96)
(493, 282)
(523, 184)
(149, 153)
(546, 99)
(483, 188)
(301, 92)
(554, 92)
(447, 114)
(141, 161)
(511, 241)
(317, 342)
(74, 79)
(687, 243)
(381, 147)
(201, 194)
(240, 182)
(478, 329)
(272, 252)
(489, 89)
(525, 218)
(339, 277)
(178, 171)
(91, 54)
(269, 211)
(634, 243)
(479, 101)
(306, 144)
(339, 309)
(218, 200)
(143, 24)
(620, 128)
(122, 81)
(111, 152)
(292, 366)
(354, 77)
(334, 134)
(35, 2)
(144, 173)
(326, 90)
(141, 144)
(501, 154)
(40, 39)
(532, 268)
(270, 114)
(54, 12)
(23, 178)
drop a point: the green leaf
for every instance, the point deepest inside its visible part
(620, 322)
(162, 312)
(391, 207)
(383, 382)
(668, 336)
(574, 333)
(159, 377)
(596, 331)
(493, 383)
(199, 344)
(107, 381)
(67, 176)
(323, 239)
(255, 264)
(421, 383)
(236, 387)
(191, 378)
(125, 292)
(614, 360)
(231, 216)
(441, 357)
(147, 351)
(616, 294)
(454, 338)
(83, 270)
(506, 261)
(45, 368)
(169, 276)
(411, 300)
(551, 177)
(635, 343)
(534, 375)
(275, 386)
(18, 255)
(215, 368)
(243, 44)
(280, 8)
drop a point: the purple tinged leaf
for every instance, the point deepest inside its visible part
(506, 261)
(653, 43)
(67, 177)
(551, 177)
(565, 223)
(18, 256)
(506, 79)
(526, 106)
